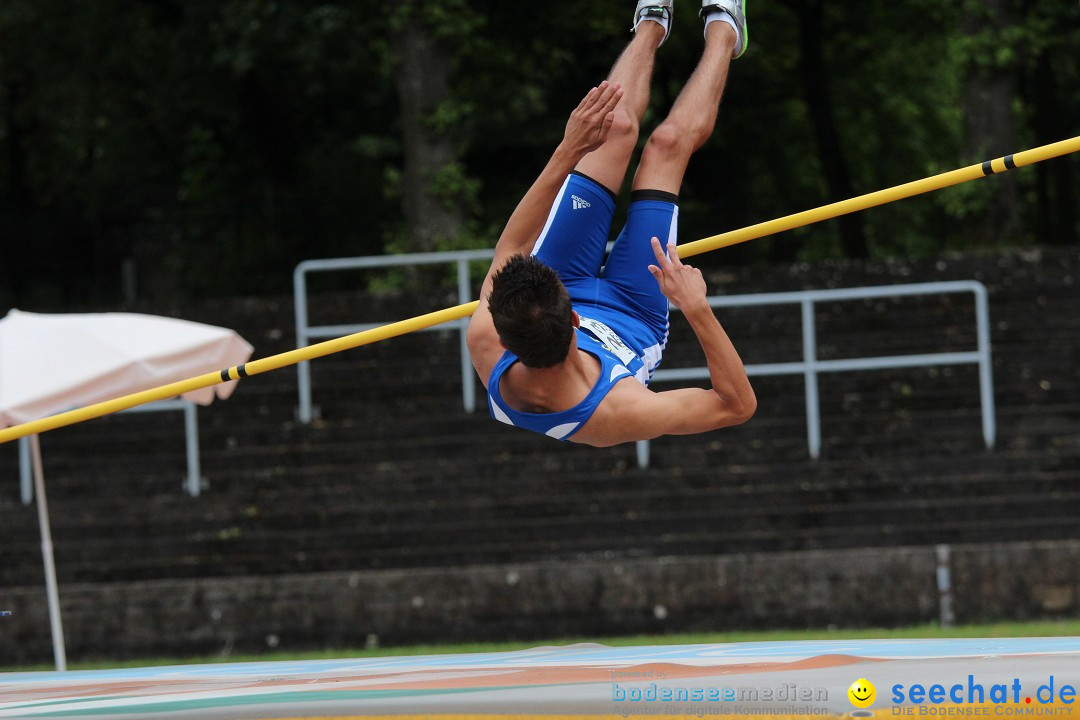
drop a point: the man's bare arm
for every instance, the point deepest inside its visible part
(685, 287)
(643, 413)
(586, 130)
(729, 381)
(633, 412)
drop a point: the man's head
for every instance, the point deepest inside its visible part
(532, 312)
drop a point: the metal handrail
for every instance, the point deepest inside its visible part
(306, 332)
(810, 367)
(193, 482)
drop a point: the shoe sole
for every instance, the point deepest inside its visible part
(746, 32)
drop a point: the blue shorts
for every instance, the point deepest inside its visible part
(622, 293)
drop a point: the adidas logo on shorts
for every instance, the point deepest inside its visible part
(580, 204)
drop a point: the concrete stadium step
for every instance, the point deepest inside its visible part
(330, 509)
(634, 537)
(339, 503)
(739, 447)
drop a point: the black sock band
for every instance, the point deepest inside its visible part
(660, 195)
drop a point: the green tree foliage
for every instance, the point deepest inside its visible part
(209, 145)
(214, 142)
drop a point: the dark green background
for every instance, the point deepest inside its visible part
(209, 145)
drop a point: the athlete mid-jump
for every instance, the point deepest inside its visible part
(565, 342)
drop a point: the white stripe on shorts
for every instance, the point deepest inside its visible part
(551, 216)
(673, 231)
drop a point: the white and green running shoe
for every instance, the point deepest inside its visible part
(660, 11)
(737, 10)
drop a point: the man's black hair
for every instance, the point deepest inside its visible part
(532, 312)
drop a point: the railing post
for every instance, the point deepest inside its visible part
(944, 585)
(468, 375)
(813, 409)
(26, 482)
(986, 371)
(191, 431)
(643, 449)
(303, 371)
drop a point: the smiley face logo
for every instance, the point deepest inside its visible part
(862, 693)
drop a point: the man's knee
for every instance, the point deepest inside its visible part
(624, 128)
(672, 139)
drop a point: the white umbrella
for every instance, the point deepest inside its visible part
(53, 363)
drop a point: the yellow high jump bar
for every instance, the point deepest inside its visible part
(368, 337)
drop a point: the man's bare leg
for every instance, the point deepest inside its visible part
(692, 117)
(633, 70)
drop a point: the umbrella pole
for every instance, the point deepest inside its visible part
(47, 554)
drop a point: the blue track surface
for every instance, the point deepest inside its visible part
(548, 680)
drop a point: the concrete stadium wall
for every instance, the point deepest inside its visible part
(878, 587)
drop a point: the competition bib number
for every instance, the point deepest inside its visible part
(607, 337)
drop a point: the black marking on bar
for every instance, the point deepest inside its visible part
(241, 370)
(225, 375)
(988, 168)
(1010, 164)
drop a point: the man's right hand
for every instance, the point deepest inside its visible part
(633, 412)
(590, 122)
(683, 285)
